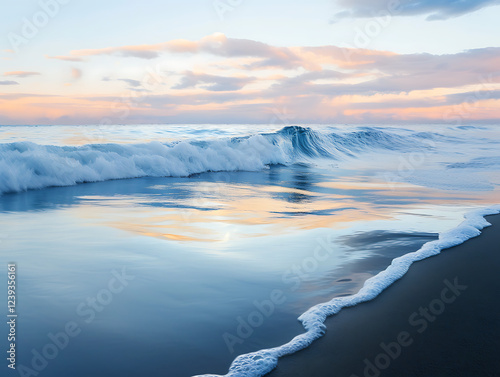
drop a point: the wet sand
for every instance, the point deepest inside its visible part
(440, 319)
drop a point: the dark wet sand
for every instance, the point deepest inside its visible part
(461, 338)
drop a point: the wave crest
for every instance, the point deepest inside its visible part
(26, 165)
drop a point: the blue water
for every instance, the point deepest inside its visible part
(213, 224)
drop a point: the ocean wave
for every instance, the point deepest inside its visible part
(260, 363)
(26, 165)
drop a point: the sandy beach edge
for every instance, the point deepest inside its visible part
(440, 319)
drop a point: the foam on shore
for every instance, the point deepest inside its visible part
(260, 363)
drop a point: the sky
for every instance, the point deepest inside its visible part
(241, 61)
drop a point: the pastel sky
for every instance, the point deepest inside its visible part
(249, 61)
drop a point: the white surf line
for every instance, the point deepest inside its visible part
(258, 364)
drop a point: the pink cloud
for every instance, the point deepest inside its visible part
(321, 84)
(216, 44)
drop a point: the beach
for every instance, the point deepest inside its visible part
(230, 188)
(413, 328)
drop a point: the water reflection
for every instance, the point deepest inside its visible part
(213, 207)
(203, 249)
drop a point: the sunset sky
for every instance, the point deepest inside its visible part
(249, 61)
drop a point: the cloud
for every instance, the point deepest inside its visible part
(403, 73)
(216, 44)
(132, 83)
(237, 107)
(139, 51)
(76, 73)
(473, 96)
(438, 101)
(271, 56)
(66, 58)
(245, 80)
(160, 101)
(21, 74)
(14, 96)
(434, 9)
(212, 83)
(302, 81)
(9, 83)
(143, 52)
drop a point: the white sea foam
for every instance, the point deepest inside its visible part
(30, 166)
(260, 363)
(26, 165)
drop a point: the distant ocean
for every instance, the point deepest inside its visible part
(177, 248)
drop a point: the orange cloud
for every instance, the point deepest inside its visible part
(76, 73)
(66, 58)
(211, 82)
(21, 74)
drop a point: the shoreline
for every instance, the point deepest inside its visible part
(412, 328)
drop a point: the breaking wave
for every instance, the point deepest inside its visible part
(26, 165)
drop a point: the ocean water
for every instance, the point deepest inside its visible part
(173, 249)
